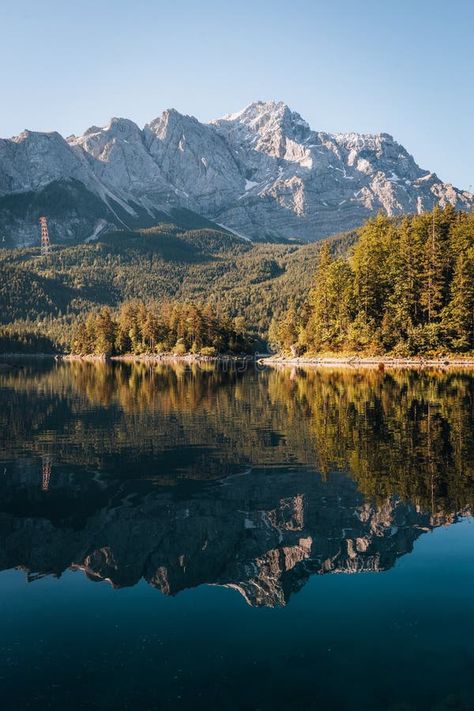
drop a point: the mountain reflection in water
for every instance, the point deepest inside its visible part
(251, 480)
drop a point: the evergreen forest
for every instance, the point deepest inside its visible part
(401, 286)
(405, 288)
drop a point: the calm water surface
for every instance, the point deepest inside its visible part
(190, 538)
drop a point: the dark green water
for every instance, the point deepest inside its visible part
(190, 538)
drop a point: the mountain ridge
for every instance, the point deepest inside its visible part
(261, 172)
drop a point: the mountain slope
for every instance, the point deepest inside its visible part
(262, 172)
(204, 265)
(319, 183)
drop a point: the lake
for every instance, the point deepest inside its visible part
(210, 537)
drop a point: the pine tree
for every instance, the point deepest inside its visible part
(371, 265)
(407, 279)
(319, 325)
(459, 315)
(150, 329)
(433, 282)
(284, 332)
(104, 332)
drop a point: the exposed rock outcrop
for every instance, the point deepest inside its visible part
(262, 172)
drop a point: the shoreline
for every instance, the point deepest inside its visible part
(380, 362)
(262, 360)
(163, 358)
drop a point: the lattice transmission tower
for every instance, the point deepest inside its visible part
(45, 243)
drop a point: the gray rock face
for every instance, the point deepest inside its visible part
(303, 183)
(195, 161)
(262, 172)
(118, 158)
(32, 160)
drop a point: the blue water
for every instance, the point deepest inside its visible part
(315, 638)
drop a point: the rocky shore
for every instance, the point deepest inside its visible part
(162, 358)
(372, 361)
(352, 361)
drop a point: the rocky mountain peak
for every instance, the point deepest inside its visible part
(28, 135)
(254, 112)
(117, 156)
(264, 117)
(169, 121)
(122, 128)
(33, 159)
(262, 171)
(194, 160)
(118, 129)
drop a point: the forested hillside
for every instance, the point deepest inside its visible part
(43, 296)
(407, 288)
(401, 286)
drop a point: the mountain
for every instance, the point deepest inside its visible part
(262, 173)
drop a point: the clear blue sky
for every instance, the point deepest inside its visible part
(402, 66)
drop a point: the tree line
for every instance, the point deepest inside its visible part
(256, 281)
(169, 327)
(407, 287)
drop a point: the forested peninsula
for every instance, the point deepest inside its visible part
(406, 288)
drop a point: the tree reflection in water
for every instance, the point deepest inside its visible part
(255, 480)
